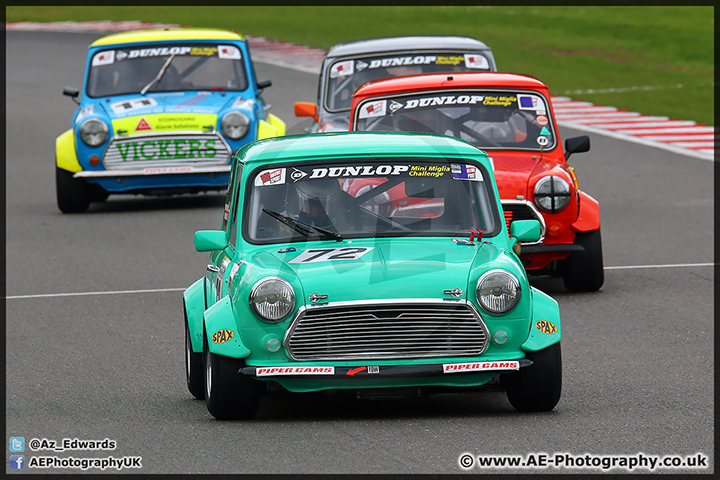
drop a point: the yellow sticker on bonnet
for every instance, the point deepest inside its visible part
(222, 336)
(546, 327)
(164, 122)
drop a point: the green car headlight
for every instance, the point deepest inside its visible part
(498, 291)
(93, 132)
(235, 125)
(272, 299)
(552, 193)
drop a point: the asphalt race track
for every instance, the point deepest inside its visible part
(638, 355)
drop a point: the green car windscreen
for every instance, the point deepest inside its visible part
(361, 198)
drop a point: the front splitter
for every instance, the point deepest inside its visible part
(386, 371)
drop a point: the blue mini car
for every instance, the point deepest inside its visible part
(161, 112)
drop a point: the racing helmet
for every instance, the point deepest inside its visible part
(319, 201)
(492, 114)
(422, 120)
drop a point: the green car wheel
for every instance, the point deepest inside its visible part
(228, 395)
(536, 388)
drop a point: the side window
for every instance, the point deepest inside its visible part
(230, 206)
(228, 197)
(235, 206)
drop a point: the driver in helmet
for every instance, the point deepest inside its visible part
(325, 204)
(496, 124)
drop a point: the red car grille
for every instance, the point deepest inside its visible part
(518, 212)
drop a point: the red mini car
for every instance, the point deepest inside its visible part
(510, 116)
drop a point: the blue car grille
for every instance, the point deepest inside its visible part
(356, 331)
(170, 150)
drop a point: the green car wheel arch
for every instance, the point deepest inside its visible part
(194, 305)
(221, 331)
(545, 325)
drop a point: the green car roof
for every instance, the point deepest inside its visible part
(357, 144)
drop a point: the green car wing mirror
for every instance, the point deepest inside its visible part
(210, 240)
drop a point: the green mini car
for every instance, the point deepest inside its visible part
(373, 264)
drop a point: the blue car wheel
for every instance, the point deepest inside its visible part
(73, 194)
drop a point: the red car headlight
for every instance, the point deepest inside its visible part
(552, 193)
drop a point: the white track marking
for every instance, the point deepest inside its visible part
(677, 265)
(635, 127)
(601, 116)
(698, 129)
(585, 111)
(77, 27)
(81, 294)
(619, 119)
(627, 125)
(580, 105)
(706, 155)
(704, 137)
(623, 89)
(162, 290)
(697, 145)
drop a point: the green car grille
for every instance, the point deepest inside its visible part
(176, 150)
(386, 330)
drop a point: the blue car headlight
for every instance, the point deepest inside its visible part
(498, 291)
(235, 125)
(93, 132)
(272, 299)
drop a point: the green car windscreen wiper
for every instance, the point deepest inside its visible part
(302, 227)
